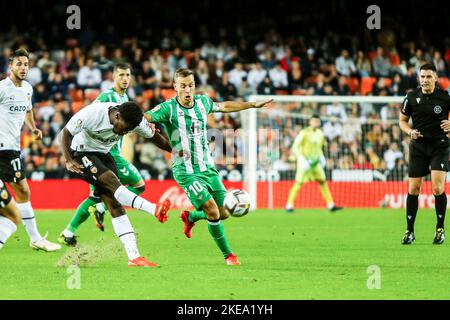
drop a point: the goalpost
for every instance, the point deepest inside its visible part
(366, 154)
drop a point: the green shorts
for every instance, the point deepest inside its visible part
(128, 174)
(200, 187)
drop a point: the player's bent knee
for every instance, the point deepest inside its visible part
(211, 210)
(223, 213)
(438, 191)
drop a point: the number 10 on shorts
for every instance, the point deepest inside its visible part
(195, 188)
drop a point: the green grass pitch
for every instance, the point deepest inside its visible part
(310, 254)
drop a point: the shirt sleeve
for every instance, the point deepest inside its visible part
(160, 113)
(406, 107)
(296, 146)
(212, 106)
(103, 97)
(78, 122)
(144, 129)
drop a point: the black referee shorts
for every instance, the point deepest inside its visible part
(11, 166)
(426, 155)
(94, 165)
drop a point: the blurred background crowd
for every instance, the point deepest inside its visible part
(278, 48)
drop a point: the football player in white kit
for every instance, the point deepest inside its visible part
(86, 141)
(16, 108)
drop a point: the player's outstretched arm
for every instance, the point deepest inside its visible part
(235, 106)
(66, 141)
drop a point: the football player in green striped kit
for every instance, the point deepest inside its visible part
(128, 173)
(184, 118)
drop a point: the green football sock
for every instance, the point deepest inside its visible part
(194, 216)
(217, 231)
(80, 215)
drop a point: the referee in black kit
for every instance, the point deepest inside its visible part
(429, 108)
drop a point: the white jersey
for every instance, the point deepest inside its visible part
(15, 102)
(92, 130)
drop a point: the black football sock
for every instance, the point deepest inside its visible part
(440, 205)
(412, 204)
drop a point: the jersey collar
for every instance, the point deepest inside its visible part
(178, 102)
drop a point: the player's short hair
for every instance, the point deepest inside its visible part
(182, 73)
(131, 113)
(121, 65)
(19, 53)
(428, 66)
(315, 116)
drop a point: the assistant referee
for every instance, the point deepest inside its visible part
(428, 106)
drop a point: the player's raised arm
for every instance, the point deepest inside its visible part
(234, 106)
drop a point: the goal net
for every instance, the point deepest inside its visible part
(366, 155)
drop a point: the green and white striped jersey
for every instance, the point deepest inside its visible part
(112, 95)
(187, 132)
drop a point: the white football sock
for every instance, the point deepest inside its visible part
(67, 233)
(129, 199)
(100, 207)
(7, 228)
(124, 230)
(29, 221)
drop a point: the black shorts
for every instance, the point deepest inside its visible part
(94, 165)
(426, 155)
(5, 196)
(11, 166)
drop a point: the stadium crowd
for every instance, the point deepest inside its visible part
(229, 65)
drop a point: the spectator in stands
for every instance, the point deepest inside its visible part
(237, 74)
(202, 73)
(381, 64)
(391, 155)
(279, 77)
(295, 77)
(345, 65)
(441, 67)
(58, 85)
(101, 60)
(266, 86)
(227, 90)
(34, 73)
(363, 65)
(107, 82)
(256, 75)
(342, 88)
(411, 78)
(309, 66)
(89, 76)
(156, 60)
(332, 129)
(147, 76)
(399, 86)
(176, 60)
(362, 162)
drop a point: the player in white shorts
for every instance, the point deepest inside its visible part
(15, 109)
(86, 141)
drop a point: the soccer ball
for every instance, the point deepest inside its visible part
(237, 203)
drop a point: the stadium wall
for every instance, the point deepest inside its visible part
(67, 194)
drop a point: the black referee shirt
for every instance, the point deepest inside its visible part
(427, 111)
